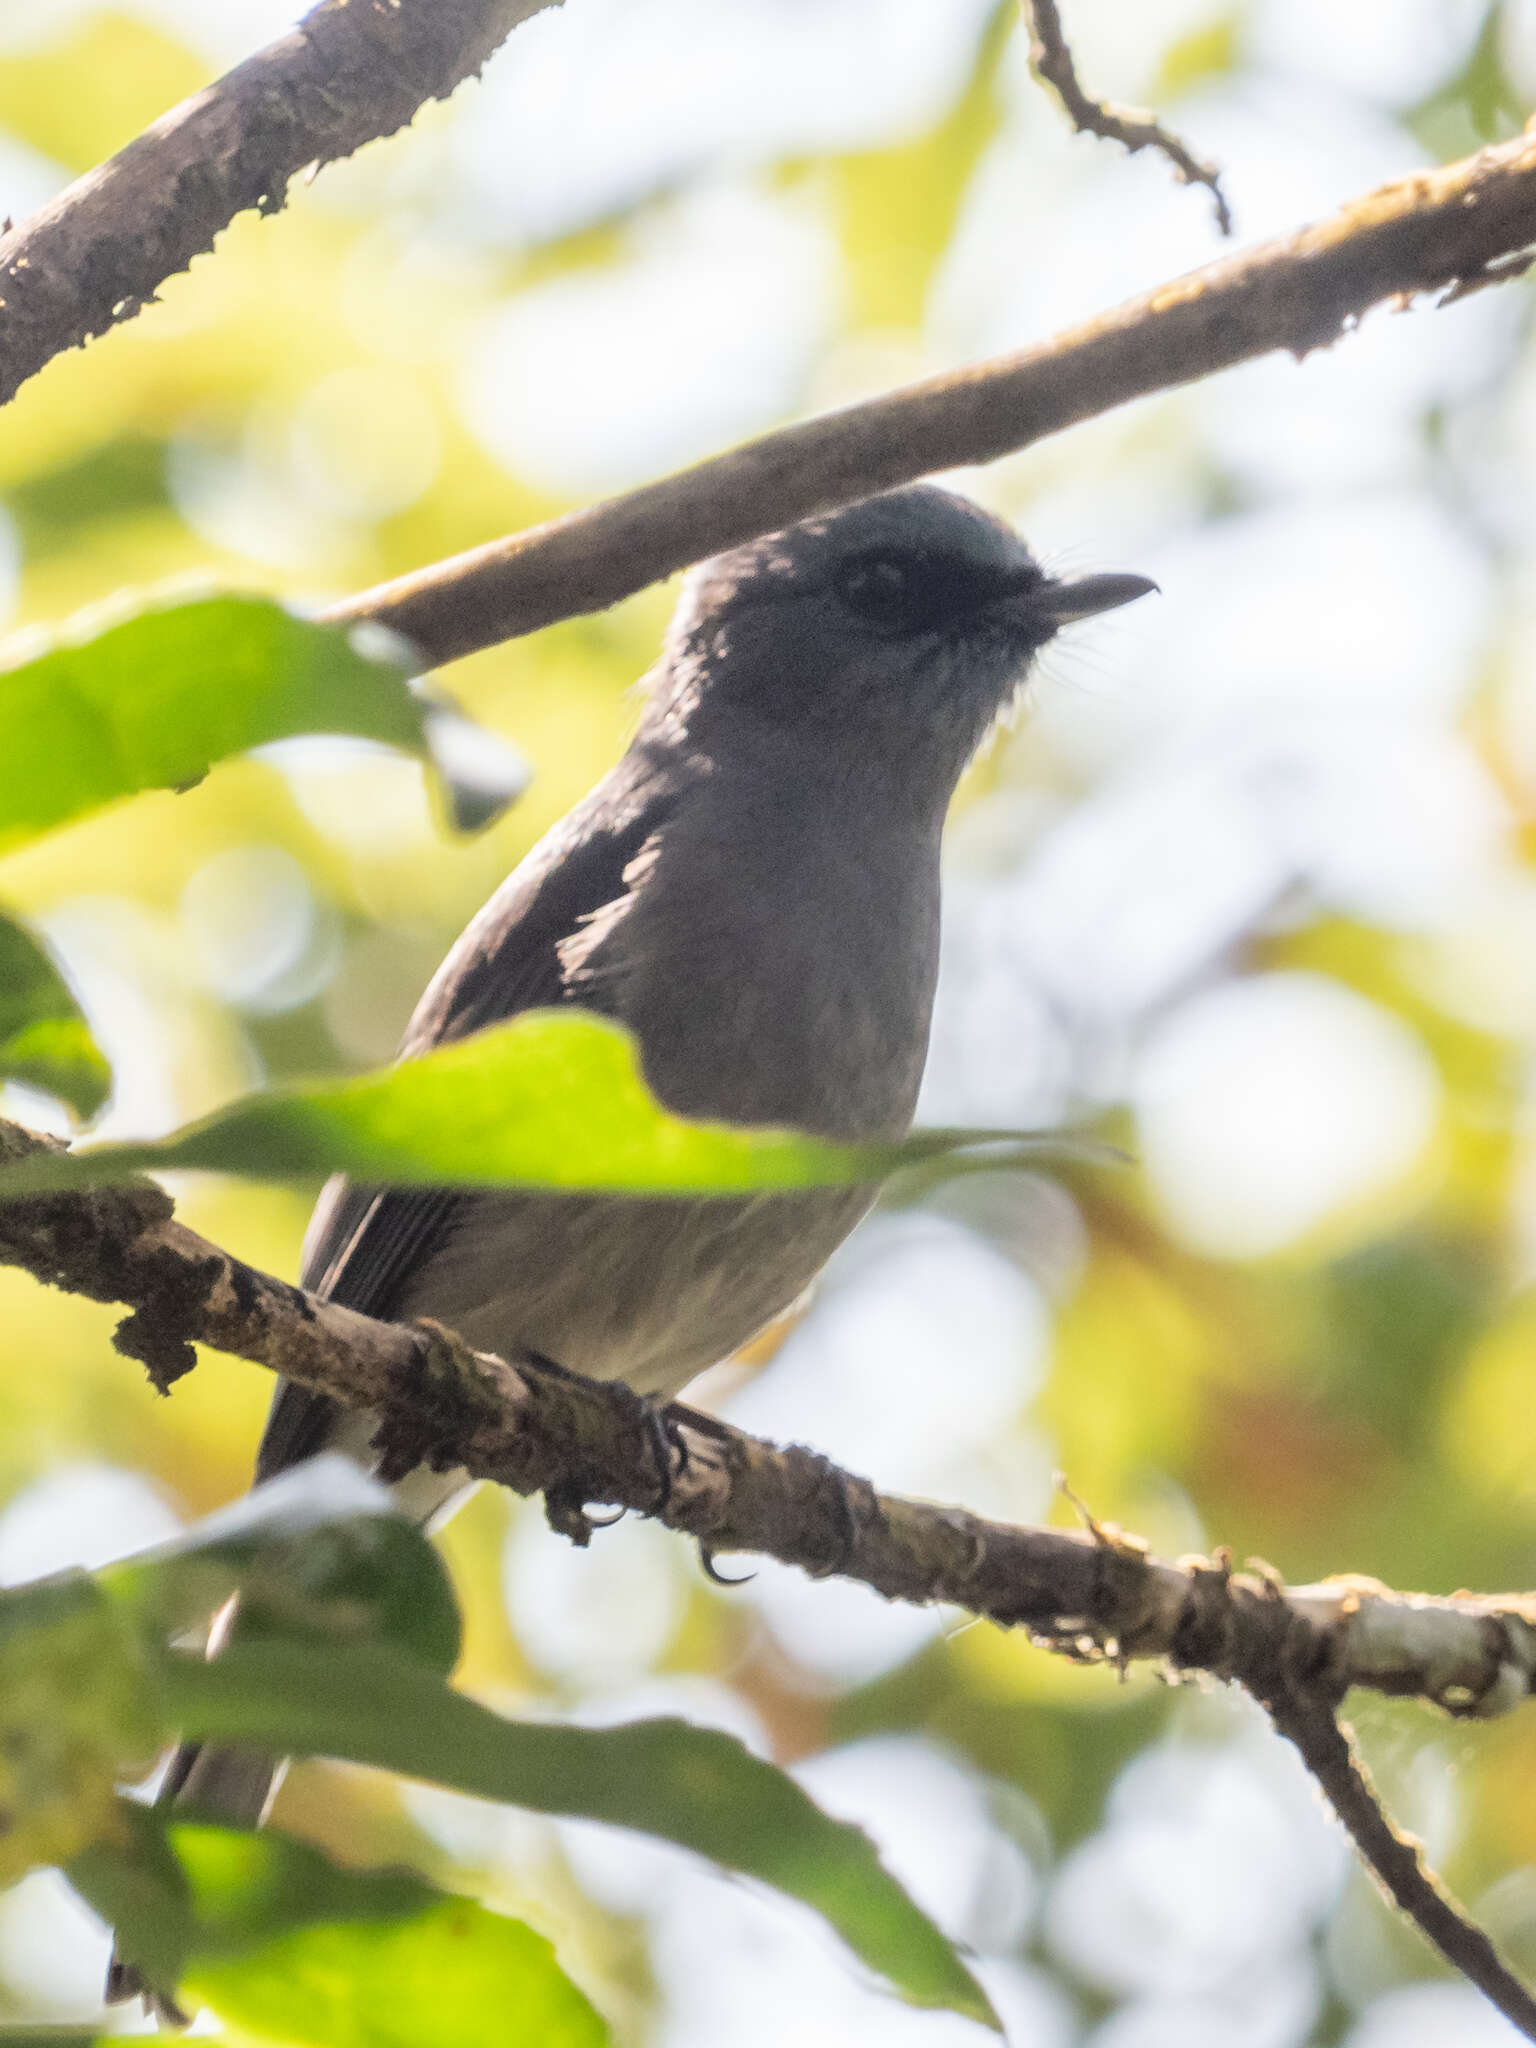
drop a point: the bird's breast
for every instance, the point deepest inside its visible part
(781, 976)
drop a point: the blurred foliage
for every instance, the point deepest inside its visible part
(1478, 103)
(75, 1717)
(345, 1631)
(695, 1787)
(82, 96)
(1207, 52)
(896, 208)
(295, 417)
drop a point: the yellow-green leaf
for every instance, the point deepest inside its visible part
(289, 1948)
(553, 1099)
(44, 1039)
(898, 205)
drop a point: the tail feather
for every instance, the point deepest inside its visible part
(236, 1787)
(233, 1786)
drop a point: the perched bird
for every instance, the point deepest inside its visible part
(754, 891)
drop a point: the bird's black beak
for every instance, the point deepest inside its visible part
(1087, 596)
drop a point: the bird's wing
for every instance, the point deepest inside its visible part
(364, 1244)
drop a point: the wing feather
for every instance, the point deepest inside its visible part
(364, 1244)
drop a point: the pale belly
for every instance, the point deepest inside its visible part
(647, 1290)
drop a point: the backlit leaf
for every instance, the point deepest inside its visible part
(693, 1786)
(44, 1039)
(153, 699)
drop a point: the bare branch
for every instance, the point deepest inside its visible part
(1395, 1858)
(1051, 62)
(351, 71)
(518, 1423)
(521, 1424)
(1435, 231)
(1094, 1594)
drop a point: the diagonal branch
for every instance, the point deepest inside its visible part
(351, 71)
(1092, 1594)
(1445, 231)
(355, 69)
(1051, 62)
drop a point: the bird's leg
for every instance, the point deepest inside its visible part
(684, 1417)
(565, 1503)
(565, 1510)
(678, 1418)
(565, 1506)
(663, 1438)
(841, 1485)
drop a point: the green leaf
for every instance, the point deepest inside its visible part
(554, 1099)
(1198, 58)
(153, 700)
(56, 2037)
(693, 1786)
(897, 206)
(78, 1706)
(132, 1876)
(287, 1947)
(372, 1975)
(56, 510)
(44, 1039)
(1477, 104)
(320, 1551)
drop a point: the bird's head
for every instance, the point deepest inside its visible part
(898, 627)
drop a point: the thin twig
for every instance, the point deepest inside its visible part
(351, 71)
(1050, 59)
(1425, 233)
(1396, 1859)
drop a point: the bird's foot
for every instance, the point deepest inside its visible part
(565, 1510)
(565, 1505)
(126, 1980)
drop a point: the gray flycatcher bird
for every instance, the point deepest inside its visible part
(754, 891)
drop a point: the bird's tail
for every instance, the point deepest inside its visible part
(233, 1786)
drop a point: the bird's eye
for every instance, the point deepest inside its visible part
(882, 589)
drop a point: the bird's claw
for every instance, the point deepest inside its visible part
(713, 1573)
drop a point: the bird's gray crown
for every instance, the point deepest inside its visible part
(952, 555)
